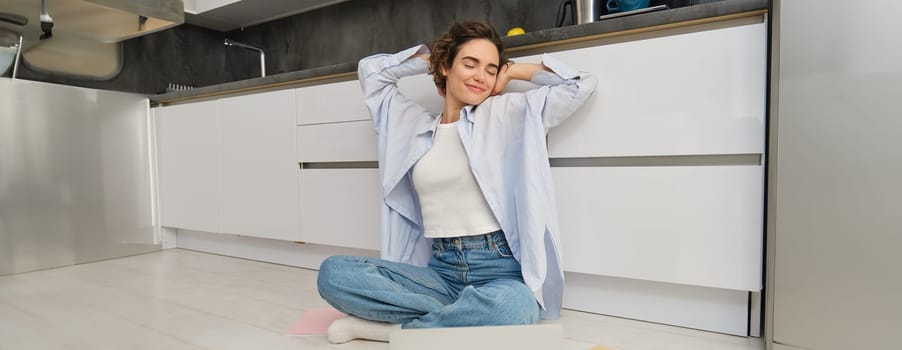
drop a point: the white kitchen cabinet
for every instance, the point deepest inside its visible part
(258, 167)
(693, 225)
(331, 103)
(695, 93)
(344, 101)
(345, 142)
(229, 165)
(340, 207)
(667, 183)
(188, 158)
(340, 195)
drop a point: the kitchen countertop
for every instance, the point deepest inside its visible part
(714, 11)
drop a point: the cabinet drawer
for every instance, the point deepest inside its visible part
(331, 103)
(695, 93)
(340, 207)
(696, 225)
(339, 142)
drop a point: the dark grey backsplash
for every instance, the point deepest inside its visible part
(346, 32)
(351, 30)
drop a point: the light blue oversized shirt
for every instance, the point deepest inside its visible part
(504, 138)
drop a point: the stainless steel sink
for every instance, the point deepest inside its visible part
(86, 38)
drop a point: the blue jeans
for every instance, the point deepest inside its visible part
(470, 281)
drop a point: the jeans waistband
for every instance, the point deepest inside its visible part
(488, 240)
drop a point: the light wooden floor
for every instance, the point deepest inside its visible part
(179, 299)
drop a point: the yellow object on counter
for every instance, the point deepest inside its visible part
(516, 31)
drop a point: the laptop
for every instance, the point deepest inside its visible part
(529, 337)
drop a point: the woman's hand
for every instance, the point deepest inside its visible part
(504, 77)
(519, 71)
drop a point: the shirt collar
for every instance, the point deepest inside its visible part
(467, 111)
(429, 127)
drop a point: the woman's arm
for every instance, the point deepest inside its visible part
(519, 71)
(562, 90)
(379, 75)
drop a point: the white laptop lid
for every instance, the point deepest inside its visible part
(530, 337)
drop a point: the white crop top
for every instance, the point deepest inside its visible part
(450, 199)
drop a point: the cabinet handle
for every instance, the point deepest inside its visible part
(340, 165)
(677, 160)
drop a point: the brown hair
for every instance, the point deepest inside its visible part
(446, 46)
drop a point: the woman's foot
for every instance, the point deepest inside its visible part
(349, 328)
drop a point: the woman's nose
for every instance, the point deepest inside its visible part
(480, 76)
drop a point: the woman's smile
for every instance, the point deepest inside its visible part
(476, 89)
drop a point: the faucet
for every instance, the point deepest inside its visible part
(46, 22)
(230, 42)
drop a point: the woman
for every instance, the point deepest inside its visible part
(468, 191)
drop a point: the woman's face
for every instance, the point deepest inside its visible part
(472, 75)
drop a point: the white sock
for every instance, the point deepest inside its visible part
(348, 328)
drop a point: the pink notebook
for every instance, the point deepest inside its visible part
(315, 321)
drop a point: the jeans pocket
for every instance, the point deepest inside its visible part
(503, 250)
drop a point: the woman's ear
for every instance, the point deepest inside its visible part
(444, 71)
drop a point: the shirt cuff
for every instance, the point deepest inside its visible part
(561, 72)
(559, 67)
(408, 53)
